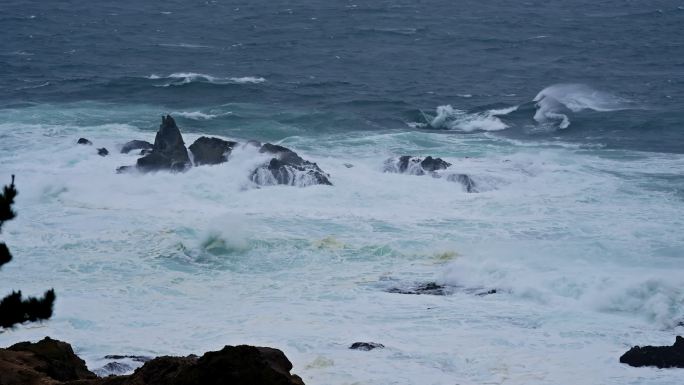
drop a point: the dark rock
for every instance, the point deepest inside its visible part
(136, 145)
(430, 288)
(467, 182)
(207, 150)
(288, 168)
(168, 151)
(113, 369)
(29, 363)
(415, 165)
(366, 346)
(434, 164)
(102, 151)
(51, 362)
(659, 356)
(84, 141)
(130, 357)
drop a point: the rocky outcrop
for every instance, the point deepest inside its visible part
(168, 151)
(366, 346)
(45, 362)
(287, 168)
(414, 165)
(84, 141)
(51, 362)
(102, 151)
(658, 356)
(136, 145)
(208, 150)
(430, 288)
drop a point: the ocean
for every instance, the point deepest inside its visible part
(567, 115)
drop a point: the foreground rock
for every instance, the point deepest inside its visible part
(414, 165)
(45, 362)
(288, 168)
(51, 362)
(168, 151)
(207, 150)
(136, 145)
(658, 356)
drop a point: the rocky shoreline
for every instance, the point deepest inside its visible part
(53, 362)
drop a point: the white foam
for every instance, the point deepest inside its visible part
(554, 101)
(181, 78)
(454, 119)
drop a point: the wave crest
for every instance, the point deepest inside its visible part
(182, 78)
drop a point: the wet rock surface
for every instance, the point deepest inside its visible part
(136, 145)
(366, 346)
(168, 151)
(52, 362)
(287, 168)
(658, 356)
(208, 150)
(84, 141)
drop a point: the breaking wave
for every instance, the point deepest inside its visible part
(181, 78)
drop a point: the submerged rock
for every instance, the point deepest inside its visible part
(430, 288)
(113, 369)
(465, 180)
(84, 141)
(51, 362)
(658, 356)
(136, 145)
(102, 151)
(366, 346)
(415, 165)
(168, 151)
(208, 150)
(287, 168)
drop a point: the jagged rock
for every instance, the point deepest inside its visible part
(288, 168)
(113, 369)
(659, 356)
(136, 145)
(168, 151)
(45, 362)
(84, 141)
(207, 150)
(467, 182)
(51, 362)
(415, 165)
(130, 357)
(102, 151)
(366, 346)
(430, 288)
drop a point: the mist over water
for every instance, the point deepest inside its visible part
(567, 116)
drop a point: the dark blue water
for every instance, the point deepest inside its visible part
(357, 65)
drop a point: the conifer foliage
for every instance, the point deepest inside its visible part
(13, 308)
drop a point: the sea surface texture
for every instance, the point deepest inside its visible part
(567, 117)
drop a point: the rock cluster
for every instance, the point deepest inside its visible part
(414, 165)
(52, 362)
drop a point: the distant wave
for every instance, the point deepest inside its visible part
(181, 78)
(450, 118)
(198, 115)
(552, 107)
(555, 101)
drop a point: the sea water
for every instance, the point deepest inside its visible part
(567, 115)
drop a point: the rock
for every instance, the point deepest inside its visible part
(124, 169)
(348, 165)
(288, 168)
(414, 165)
(168, 151)
(84, 141)
(659, 356)
(130, 357)
(102, 151)
(430, 288)
(366, 346)
(467, 182)
(136, 145)
(113, 369)
(45, 362)
(207, 150)
(145, 151)
(51, 362)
